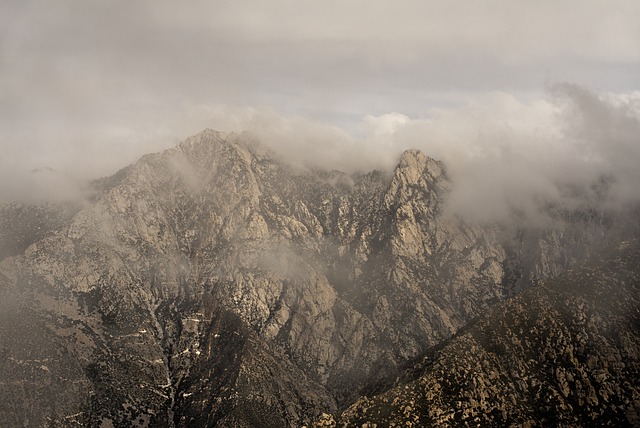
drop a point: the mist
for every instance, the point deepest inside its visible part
(572, 148)
(87, 89)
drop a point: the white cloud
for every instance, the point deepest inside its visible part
(506, 154)
(503, 153)
(383, 125)
(87, 87)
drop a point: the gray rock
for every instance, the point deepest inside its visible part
(215, 284)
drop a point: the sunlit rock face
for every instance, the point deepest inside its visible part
(214, 284)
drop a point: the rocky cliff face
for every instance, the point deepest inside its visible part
(566, 353)
(215, 284)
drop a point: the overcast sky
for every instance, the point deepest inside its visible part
(88, 86)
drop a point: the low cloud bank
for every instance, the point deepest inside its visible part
(505, 155)
(574, 148)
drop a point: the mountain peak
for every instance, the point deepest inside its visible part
(414, 165)
(217, 269)
(207, 136)
(413, 155)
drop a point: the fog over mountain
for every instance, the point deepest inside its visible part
(573, 147)
(503, 154)
(216, 284)
(292, 213)
(87, 88)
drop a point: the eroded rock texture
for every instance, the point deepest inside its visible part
(213, 284)
(566, 353)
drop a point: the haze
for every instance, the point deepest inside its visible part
(520, 99)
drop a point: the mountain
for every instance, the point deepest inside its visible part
(22, 224)
(215, 284)
(566, 353)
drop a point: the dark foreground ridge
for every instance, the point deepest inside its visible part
(566, 353)
(215, 285)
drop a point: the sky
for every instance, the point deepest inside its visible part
(87, 87)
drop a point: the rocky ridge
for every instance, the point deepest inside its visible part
(565, 353)
(214, 284)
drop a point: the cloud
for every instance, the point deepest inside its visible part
(569, 148)
(606, 131)
(88, 87)
(507, 155)
(572, 148)
(113, 61)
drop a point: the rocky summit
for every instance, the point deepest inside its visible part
(214, 284)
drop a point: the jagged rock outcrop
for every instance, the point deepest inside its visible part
(214, 284)
(565, 353)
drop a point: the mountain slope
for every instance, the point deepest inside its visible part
(564, 353)
(215, 284)
(22, 224)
